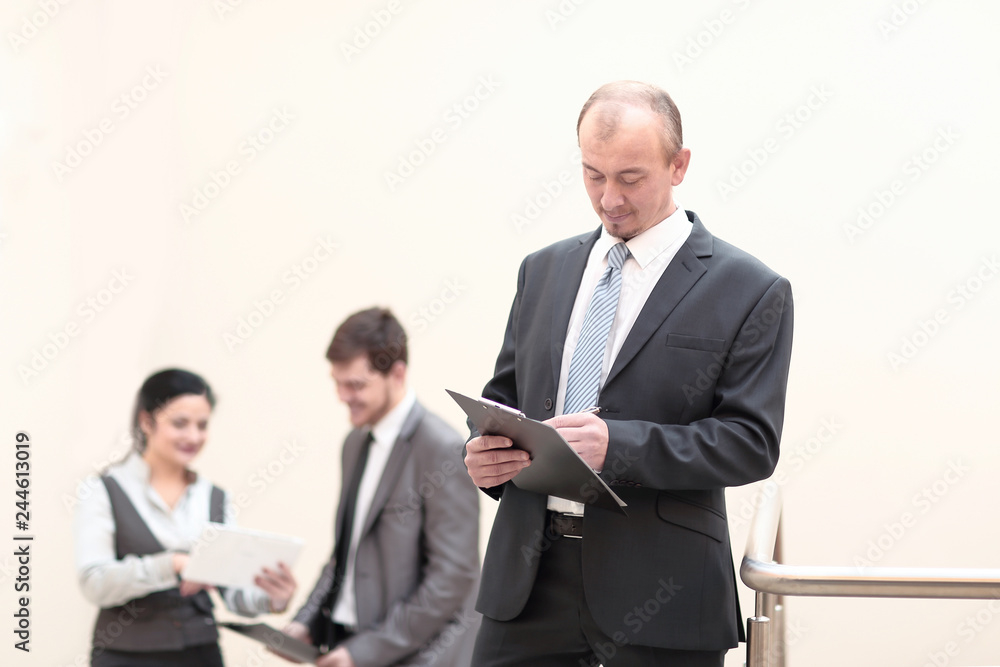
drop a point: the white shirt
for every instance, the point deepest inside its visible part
(385, 434)
(650, 254)
(107, 581)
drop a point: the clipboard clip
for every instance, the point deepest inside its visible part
(501, 406)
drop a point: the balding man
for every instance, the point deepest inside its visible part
(683, 343)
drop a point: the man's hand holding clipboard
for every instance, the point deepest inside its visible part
(535, 455)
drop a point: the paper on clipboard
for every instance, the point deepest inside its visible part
(556, 469)
(231, 556)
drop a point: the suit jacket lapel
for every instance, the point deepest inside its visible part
(564, 296)
(394, 466)
(677, 280)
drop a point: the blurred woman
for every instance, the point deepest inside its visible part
(133, 535)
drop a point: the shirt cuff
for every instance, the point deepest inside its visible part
(162, 567)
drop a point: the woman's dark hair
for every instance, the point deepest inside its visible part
(159, 389)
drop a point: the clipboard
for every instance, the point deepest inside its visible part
(556, 469)
(276, 640)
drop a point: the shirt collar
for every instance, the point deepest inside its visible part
(645, 247)
(136, 466)
(387, 429)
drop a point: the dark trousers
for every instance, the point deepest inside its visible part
(207, 655)
(556, 628)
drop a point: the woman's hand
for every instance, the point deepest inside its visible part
(188, 588)
(179, 561)
(279, 585)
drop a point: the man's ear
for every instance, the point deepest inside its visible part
(679, 162)
(398, 371)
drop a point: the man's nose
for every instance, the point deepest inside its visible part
(612, 197)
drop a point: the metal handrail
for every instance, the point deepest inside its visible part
(762, 572)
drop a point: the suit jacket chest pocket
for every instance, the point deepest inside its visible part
(693, 364)
(682, 342)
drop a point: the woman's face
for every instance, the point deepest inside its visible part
(176, 432)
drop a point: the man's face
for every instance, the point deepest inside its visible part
(628, 177)
(368, 394)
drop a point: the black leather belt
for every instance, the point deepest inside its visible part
(567, 525)
(341, 633)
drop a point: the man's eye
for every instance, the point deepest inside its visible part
(624, 182)
(595, 177)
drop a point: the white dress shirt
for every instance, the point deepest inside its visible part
(107, 581)
(649, 254)
(385, 433)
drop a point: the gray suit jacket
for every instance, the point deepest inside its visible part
(694, 403)
(418, 558)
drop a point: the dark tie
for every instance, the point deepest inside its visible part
(584, 381)
(350, 505)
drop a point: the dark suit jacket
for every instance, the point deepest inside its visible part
(694, 403)
(417, 561)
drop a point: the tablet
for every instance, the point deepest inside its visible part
(231, 556)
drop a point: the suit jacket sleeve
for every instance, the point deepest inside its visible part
(307, 614)
(310, 612)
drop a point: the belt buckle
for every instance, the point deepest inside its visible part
(570, 518)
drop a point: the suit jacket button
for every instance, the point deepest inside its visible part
(548, 403)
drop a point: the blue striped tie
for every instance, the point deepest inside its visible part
(584, 382)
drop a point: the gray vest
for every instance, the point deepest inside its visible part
(160, 621)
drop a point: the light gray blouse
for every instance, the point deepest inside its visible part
(107, 581)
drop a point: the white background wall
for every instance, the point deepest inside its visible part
(842, 99)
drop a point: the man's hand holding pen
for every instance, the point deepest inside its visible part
(586, 433)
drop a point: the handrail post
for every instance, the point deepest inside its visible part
(759, 636)
(781, 647)
(776, 611)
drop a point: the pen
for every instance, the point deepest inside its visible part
(591, 411)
